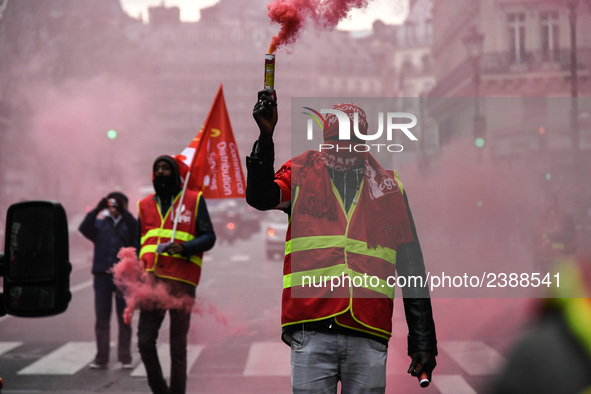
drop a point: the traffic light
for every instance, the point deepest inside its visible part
(479, 128)
(479, 142)
(112, 134)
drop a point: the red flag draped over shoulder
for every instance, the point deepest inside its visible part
(212, 157)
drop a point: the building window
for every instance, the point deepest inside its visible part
(550, 36)
(516, 24)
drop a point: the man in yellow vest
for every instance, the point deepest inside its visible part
(350, 231)
(174, 268)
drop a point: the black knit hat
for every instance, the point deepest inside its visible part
(176, 184)
(119, 195)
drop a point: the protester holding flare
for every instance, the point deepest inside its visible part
(117, 229)
(172, 256)
(349, 216)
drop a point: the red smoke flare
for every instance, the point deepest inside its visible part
(141, 291)
(292, 15)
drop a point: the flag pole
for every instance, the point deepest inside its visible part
(178, 208)
(188, 177)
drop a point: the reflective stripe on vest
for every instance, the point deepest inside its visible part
(152, 249)
(177, 266)
(323, 277)
(326, 274)
(577, 312)
(573, 299)
(167, 233)
(339, 241)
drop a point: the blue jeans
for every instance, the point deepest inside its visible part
(320, 359)
(104, 289)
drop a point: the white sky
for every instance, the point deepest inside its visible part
(389, 11)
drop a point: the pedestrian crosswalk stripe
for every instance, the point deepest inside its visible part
(268, 359)
(475, 357)
(8, 346)
(452, 384)
(81, 286)
(193, 352)
(66, 360)
(272, 359)
(239, 257)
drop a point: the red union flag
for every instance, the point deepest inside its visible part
(212, 157)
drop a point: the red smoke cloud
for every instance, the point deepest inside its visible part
(141, 291)
(292, 15)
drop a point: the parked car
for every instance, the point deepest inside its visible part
(275, 231)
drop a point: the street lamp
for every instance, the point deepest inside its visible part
(473, 41)
(572, 18)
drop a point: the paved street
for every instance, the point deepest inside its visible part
(235, 345)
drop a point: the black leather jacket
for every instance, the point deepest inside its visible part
(263, 193)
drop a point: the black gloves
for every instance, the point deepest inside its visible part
(422, 361)
(120, 207)
(102, 204)
(107, 202)
(265, 114)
